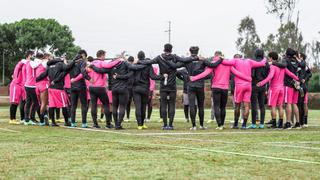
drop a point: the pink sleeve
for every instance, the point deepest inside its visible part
(256, 64)
(205, 73)
(78, 78)
(240, 75)
(229, 62)
(155, 70)
(110, 65)
(268, 78)
(289, 73)
(17, 69)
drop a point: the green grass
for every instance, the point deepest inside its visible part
(57, 153)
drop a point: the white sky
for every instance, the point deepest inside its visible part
(116, 25)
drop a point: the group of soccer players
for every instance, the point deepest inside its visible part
(43, 84)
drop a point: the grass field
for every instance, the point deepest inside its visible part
(58, 153)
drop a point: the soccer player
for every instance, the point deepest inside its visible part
(276, 89)
(151, 95)
(182, 74)
(130, 86)
(220, 84)
(141, 92)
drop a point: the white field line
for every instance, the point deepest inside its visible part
(217, 151)
(98, 130)
(295, 142)
(291, 146)
(9, 130)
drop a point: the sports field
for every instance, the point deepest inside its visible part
(28, 152)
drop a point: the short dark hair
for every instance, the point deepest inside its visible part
(29, 53)
(39, 55)
(46, 55)
(90, 58)
(82, 51)
(101, 53)
(237, 56)
(273, 55)
(168, 48)
(290, 52)
(141, 55)
(218, 53)
(304, 56)
(194, 50)
(130, 59)
(259, 53)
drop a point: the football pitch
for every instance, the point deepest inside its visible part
(33, 152)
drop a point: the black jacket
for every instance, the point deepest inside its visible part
(56, 73)
(79, 67)
(292, 66)
(142, 79)
(123, 71)
(183, 75)
(304, 73)
(166, 64)
(259, 74)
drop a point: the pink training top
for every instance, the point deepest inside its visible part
(39, 70)
(276, 77)
(67, 82)
(30, 72)
(244, 66)
(17, 77)
(97, 79)
(153, 82)
(221, 75)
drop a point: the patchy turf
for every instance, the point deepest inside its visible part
(61, 153)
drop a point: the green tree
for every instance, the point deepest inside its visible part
(249, 39)
(37, 34)
(282, 9)
(315, 53)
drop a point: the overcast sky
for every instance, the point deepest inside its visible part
(133, 25)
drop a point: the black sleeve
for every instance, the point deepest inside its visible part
(186, 60)
(60, 77)
(42, 76)
(84, 72)
(68, 67)
(101, 70)
(125, 76)
(54, 61)
(135, 67)
(149, 62)
(180, 75)
(282, 64)
(212, 65)
(153, 76)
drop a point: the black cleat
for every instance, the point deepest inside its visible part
(109, 126)
(280, 124)
(170, 128)
(297, 126)
(54, 125)
(96, 126)
(287, 125)
(119, 128)
(67, 124)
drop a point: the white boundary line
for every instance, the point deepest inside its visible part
(291, 146)
(9, 130)
(97, 130)
(218, 151)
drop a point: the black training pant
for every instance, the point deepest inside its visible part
(119, 102)
(130, 97)
(196, 94)
(258, 96)
(22, 106)
(220, 99)
(168, 106)
(140, 102)
(101, 94)
(150, 101)
(74, 95)
(32, 100)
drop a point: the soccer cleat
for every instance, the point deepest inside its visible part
(67, 124)
(202, 128)
(144, 127)
(96, 126)
(126, 120)
(252, 126)
(297, 126)
(109, 126)
(73, 125)
(243, 127)
(287, 125)
(35, 121)
(29, 123)
(221, 128)
(84, 125)
(21, 122)
(235, 127)
(59, 120)
(140, 127)
(42, 124)
(170, 128)
(164, 127)
(119, 128)
(12, 121)
(261, 126)
(305, 125)
(270, 122)
(194, 128)
(54, 125)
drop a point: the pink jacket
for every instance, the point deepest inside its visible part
(67, 82)
(30, 72)
(17, 77)
(221, 75)
(276, 77)
(97, 79)
(39, 70)
(153, 82)
(244, 66)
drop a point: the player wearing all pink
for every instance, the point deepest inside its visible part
(16, 87)
(243, 88)
(220, 84)
(276, 89)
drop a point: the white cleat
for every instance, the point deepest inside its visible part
(193, 128)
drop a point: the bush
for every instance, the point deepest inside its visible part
(314, 83)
